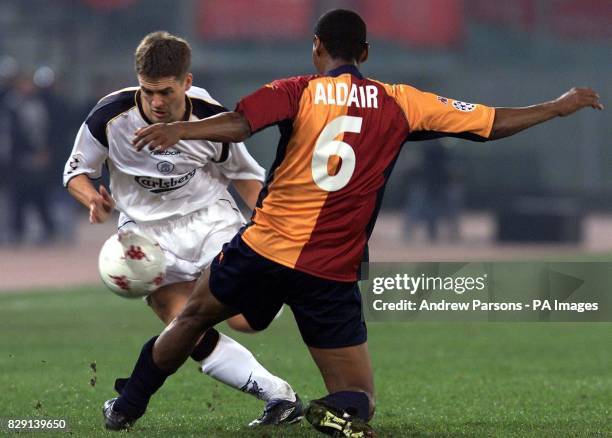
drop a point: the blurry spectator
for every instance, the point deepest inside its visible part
(29, 159)
(435, 192)
(64, 121)
(8, 73)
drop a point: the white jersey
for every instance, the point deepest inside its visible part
(151, 186)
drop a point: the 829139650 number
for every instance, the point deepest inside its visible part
(34, 424)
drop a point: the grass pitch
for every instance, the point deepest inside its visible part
(61, 351)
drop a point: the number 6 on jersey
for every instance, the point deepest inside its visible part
(326, 146)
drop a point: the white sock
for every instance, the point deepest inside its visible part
(236, 366)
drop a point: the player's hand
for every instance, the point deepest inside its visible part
(101, 206)
(575, 99)
(159, 137)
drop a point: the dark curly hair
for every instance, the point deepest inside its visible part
(343, 33)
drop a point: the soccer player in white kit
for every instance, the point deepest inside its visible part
(179, 198)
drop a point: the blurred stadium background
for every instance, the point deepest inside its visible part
(546, 191)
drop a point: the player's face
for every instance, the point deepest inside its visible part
(163, 100)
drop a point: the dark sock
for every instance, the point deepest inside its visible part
(120, 384)
(206, 345)
(353, 403)
(146, 378)
(201, 351)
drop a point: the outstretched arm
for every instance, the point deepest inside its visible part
(509, 121)
(223, 127)
(269, 105)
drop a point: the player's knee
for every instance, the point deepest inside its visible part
(239, 323)
(168, 301)
(161, 308)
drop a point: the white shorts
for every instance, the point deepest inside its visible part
(191, 242)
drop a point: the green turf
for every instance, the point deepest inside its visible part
(487, 379)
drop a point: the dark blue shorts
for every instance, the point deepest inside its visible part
(328, 313)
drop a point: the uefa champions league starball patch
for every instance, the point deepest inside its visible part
(464, 106)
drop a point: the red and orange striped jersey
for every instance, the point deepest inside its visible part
(340, 136)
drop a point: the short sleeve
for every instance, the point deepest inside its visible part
(430, 115)
(236, 163)
(87, 156)
(273, 103)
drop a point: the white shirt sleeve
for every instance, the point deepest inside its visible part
(87, 156)
(239, 164)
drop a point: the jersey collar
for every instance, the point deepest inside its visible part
(347, 68)
(186, 116)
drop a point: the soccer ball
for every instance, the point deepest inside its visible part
(131, 264)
